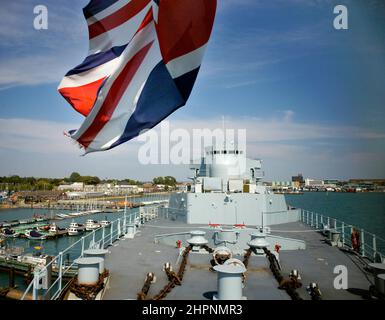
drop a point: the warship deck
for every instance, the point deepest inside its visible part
(129, 260)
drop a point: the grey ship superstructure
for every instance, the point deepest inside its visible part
(227, 190)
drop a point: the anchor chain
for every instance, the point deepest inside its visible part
(315, 292)
(146, 287)
(173, 278)
(207, 248)
(289, 285)
(246, 257)
(4, 292)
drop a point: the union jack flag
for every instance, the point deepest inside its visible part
(143, 59)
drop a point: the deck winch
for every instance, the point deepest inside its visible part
(226, 236)
(197, 239)
(258, 242)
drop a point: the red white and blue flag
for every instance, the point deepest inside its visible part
(144, 57)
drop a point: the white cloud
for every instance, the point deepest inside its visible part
(287, 147)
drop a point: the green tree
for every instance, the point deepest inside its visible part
(75, 177)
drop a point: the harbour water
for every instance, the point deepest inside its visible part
(364, 210)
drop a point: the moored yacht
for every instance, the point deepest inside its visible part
(105, 223)
(35, 235)
(92, 225)
(9, 233)
(75, 229)
(54, 229)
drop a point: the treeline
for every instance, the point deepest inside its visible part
(17, 183)
(168, 180)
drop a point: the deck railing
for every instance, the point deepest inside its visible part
(99, 238)
(370, 245)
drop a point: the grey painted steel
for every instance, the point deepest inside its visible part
(377, 268)
(258, 241)
(226, 236)
(197, 238)
(247, 208)
(380, 283)
(97, 253)
(230, 280)
(88, 272)
(131, 227)
(239, 246)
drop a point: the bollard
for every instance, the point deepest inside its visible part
(378, 270)
(230, 280)
(88, 272)
(97, 253)
(380, 283)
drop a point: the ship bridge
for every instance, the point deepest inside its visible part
(226, 169)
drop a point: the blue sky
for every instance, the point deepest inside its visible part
(311, 97)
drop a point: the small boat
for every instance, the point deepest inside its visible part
(9, 233)
(79, 226)
(92, 225)
(74, 214)
(73, 231)
(14, 223)
(41, 219)
(55, 230)
(62, 215)
(75, 228)
(34, 235)
(105, 223)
